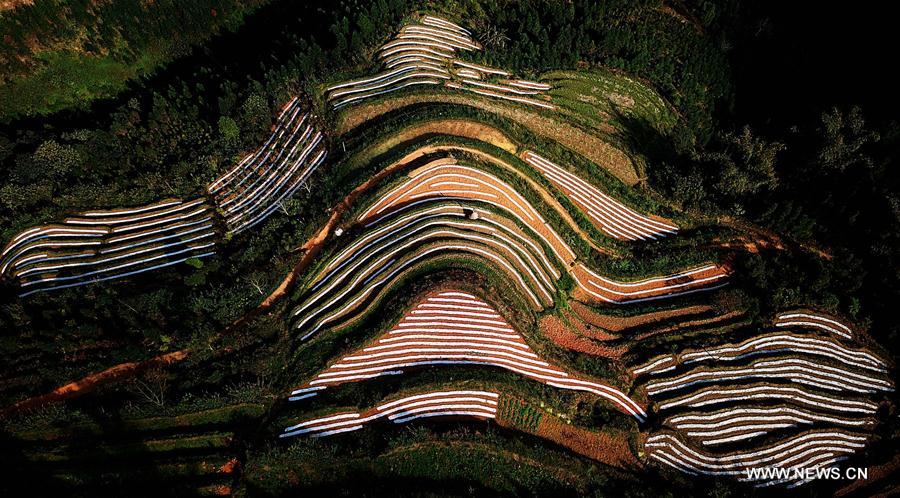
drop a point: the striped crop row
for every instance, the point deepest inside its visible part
(102, 245)
(383, 252)
(810, 373)
(810, 450)
(255, 187)
(611, 216)
(445, 179)
(425, 54)
(476, 404)
(759, 395)
(815, 321)
(453, 327)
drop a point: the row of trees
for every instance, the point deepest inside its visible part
(815, 170)
(639, 37)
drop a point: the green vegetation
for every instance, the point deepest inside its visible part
(639, 38)
(58, 55)
(519, 413)
(112, 104)
(599, 97)
(459, 461)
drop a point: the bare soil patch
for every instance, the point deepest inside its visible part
(600, 446)
(555, 329)
(622, 323)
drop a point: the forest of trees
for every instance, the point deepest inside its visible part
(807, 148)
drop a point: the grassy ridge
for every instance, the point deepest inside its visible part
(58, 54)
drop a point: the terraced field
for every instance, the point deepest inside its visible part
(103, 245)
(450, 328)
(425, 54)
(476, 273)
(110, 244)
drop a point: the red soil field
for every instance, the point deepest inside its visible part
(555, 329)
(600, 446)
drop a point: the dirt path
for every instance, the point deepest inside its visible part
(91, 382)
(597, 150)
(678, 11)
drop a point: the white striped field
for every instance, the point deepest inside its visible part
(802, 451)
(470, 404)
(369, 264)
(447, 180)
(426, 54)
(455, 328)
(815, 321)
(256, 186)
(747, 404)
(97, 246)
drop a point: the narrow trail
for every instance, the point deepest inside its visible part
(92, 381)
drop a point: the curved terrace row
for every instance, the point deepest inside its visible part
(102, 245)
